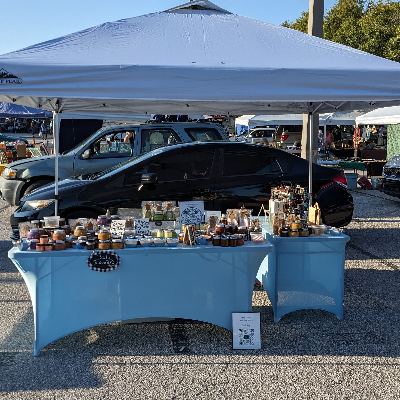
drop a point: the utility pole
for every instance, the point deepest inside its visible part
(315, 28)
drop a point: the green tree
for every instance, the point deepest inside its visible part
(372, 26)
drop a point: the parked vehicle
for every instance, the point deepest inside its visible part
(5, 138)
(256, 134)
(99, 152)
(288, 134)
(391, 177)
(222, 174)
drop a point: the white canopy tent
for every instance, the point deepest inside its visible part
(381, 116)
(193, 59)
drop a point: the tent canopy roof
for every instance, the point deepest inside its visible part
(196, 59)
(381, 116)
(8, 110)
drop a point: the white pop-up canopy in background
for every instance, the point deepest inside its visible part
(194, 59)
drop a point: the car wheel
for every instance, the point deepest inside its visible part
(35, 185)
(81, 213)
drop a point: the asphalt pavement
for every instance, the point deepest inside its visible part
(308, 354)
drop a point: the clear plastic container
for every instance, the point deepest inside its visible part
(257, 238)
(318, 230)
(51, 222)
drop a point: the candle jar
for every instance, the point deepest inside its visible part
(42, 223)
(220, 229)
(294, 233)
(233, 229)
(240, 240)
(304, 232)
(59, 245)
(224, 241)
(33, 234)
(104, 245)
(35, 224)
(168, 215)
(223, 219)
(33, 243)
(160, 233)
(158, 216)
(216, 240)
(233, 241)
(181, 235)
(104, 234)
(284, 233)
(90, 244)
(296, 225)
(117, 244)
(44, 239)
(168, 233)
(68, 243)
(39, 247)
(59, 235)
(243, 230)
(103, 220)
(67, 229)
(80, 231)
(61, 221)
(91, 233)
(48, 247)
(81, 242)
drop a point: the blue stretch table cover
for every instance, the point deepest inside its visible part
(304, 273)
(205, 283)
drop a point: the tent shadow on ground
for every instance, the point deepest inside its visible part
(370, 329)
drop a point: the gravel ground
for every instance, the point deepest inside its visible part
(308, 355)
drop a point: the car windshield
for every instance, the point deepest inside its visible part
(84, 142)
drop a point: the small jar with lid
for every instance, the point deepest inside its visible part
(103, 245)
(48, 246)
(223, 219)
(169, 215)
(233, 229)
(168, 233)
(220, 229)
(90, 244)
(240, 240)
(33, 234)
(304, 232)
(104, 234)
(68, 243)
(158, 216)
(115, 218)
(59, 235)
(224, 241)
(59, 245)
(296, 225)
(103, 220)
(294, 233)
(35, 224)
(233, 241)
(80, 231)
(159, 233)
(81, 242)
(180, 236)
(39, 247)
(216, 240)
(117, 244)
(42, 223)
(33, 243)
(284, 233)
(44, 239)
(67, 229)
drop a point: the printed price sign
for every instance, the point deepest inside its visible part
(103, 261)
(118, 227)
(246, 331)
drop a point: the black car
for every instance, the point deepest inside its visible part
(222, 174)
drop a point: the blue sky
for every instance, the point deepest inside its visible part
(30, 22)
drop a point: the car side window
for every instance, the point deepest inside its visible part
(245, 163)
(183, 166)
(113, 145)
(158, 137)
(203, 134)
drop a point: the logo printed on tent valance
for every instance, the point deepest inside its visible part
(8, 78)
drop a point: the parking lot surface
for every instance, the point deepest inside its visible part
(308, 354)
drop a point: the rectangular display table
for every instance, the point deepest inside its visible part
(304, 273)
(204, 283)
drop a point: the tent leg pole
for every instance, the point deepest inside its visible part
(56, 135)
(310, 142)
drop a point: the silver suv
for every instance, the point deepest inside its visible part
(100, 151)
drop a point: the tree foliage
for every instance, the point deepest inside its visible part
(372, 26)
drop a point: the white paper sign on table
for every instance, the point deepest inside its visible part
(208, 214)
(246, 331)
(118, 227)
(142, 226)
